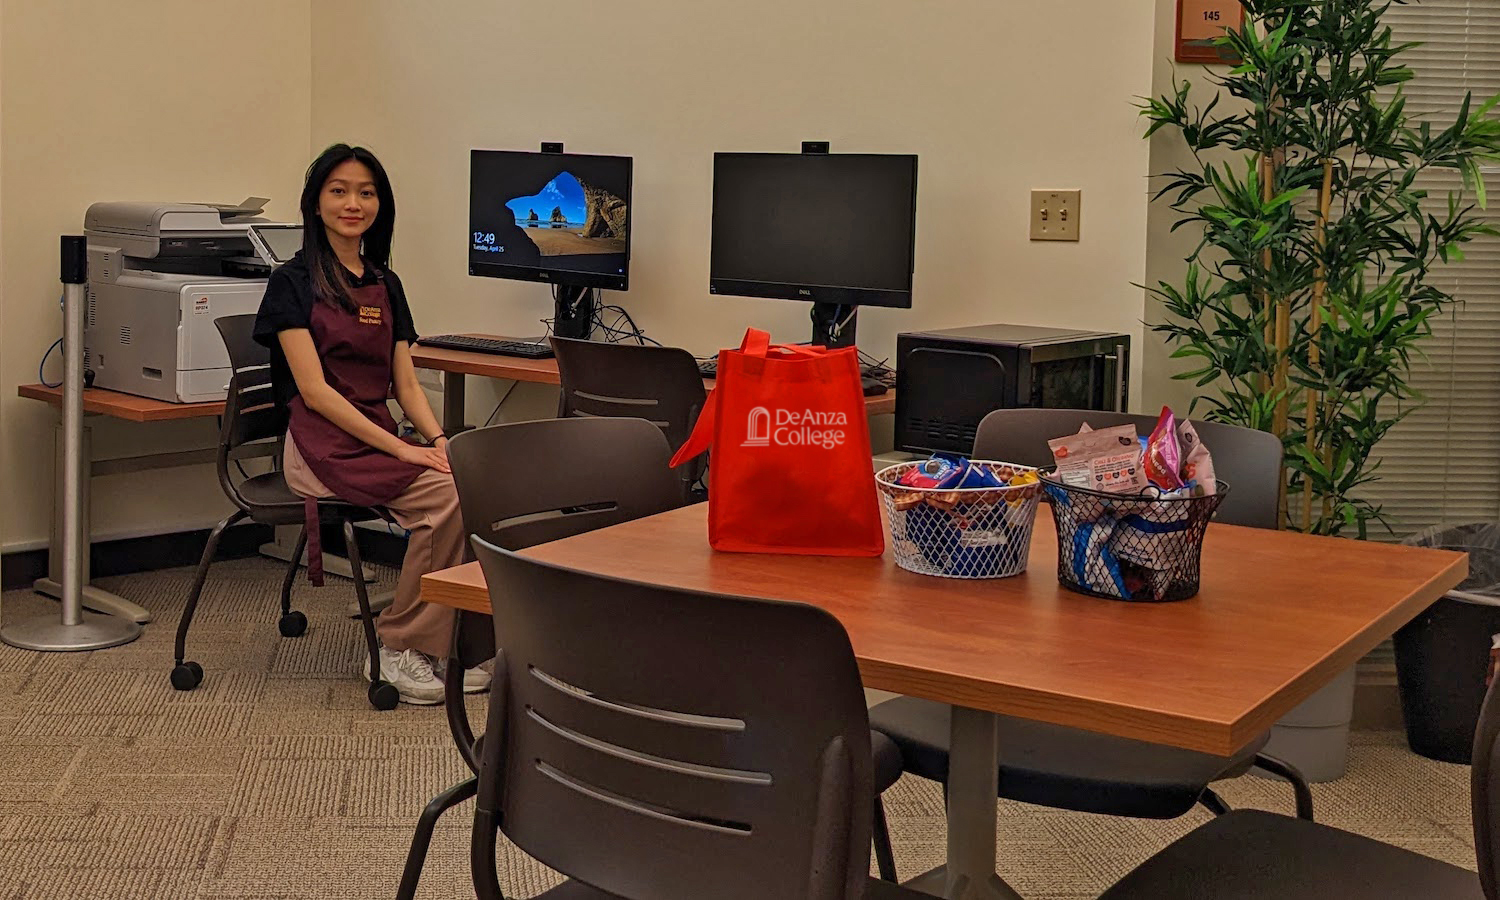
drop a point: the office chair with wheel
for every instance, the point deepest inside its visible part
(659, 384)
(1069, 768)
(251, 422)
(599, 472)
(659, 744)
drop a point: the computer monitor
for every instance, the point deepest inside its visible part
(561, 218)
(838, 230)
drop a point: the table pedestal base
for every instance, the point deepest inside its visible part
(973, 781)
(936, 884)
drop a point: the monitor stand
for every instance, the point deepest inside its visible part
(574, 312)
(833, 325)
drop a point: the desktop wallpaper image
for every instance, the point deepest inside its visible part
(570, 217)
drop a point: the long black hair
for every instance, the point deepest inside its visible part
(328, 281)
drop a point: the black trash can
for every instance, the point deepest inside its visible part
(1443, 655)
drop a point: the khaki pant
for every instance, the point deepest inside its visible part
(428, 508)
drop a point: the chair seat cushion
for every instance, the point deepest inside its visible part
(1253, 854)
(1065, 768)
(269, 489)
(888, 764)
(274, 502)
(876, 890)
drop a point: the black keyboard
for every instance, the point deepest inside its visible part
(709, 368)
(497, 346)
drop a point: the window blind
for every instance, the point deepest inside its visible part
(1441, 465)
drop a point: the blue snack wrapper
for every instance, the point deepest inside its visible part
(943, 471)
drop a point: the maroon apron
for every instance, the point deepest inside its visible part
(356, 350)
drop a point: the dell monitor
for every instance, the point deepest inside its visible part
(561, 218)
(838, 230)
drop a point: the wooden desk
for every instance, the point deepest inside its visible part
(129, 407)
(125, 406)
(1278, 616)
(455, 364)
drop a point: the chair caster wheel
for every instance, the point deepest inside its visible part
(186, 676)
(383, 696)
(293, 624)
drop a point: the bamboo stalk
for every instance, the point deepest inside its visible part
(1278, 336)
(1267, 184)
(1320, 288)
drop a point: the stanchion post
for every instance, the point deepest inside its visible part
(78, 630)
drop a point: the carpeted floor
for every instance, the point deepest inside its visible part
(275, 779)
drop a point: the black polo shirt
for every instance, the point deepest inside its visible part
(288, 303)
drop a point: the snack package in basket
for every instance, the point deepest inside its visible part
(1162, 461)
(1106, 459)
(948, 471)
(1197, 464)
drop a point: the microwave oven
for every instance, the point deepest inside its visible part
(947, 381)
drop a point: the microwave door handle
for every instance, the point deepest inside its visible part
(1118, 358)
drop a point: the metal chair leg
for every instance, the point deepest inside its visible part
(291, 571)
(885, 859)
(482, 847)
(416, 857)
(351, 547)
(383, 695)
(1300, 788)
(458, 713)
(1213, 802)
(209, 551)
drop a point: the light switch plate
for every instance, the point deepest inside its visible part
(1055, 215)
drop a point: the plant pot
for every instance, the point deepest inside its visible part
(1314, 737)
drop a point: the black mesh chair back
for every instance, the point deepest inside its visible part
(656, 743)
(528, 482)
(251, 418)
(1249, 460)
(1485, 785)
(659, 384)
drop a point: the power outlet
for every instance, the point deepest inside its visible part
(1055, 215)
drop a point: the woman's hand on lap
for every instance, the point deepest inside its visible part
(431, 457)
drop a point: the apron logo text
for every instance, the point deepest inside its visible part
(369, 315)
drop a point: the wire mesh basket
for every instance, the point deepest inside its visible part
(1128, 547)
(962, 533)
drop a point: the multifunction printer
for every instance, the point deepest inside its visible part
(159, 275)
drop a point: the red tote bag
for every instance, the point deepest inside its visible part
(790, 470)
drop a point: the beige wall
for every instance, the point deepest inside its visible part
(996, 98)
(186, 100)
(148, 100)
(1165, 250)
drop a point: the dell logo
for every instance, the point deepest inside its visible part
(804, 292)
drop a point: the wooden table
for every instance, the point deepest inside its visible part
(1279, 614)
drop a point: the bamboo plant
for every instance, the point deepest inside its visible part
(1311, 288)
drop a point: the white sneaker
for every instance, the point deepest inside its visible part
(411, 673)
(476, 680)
